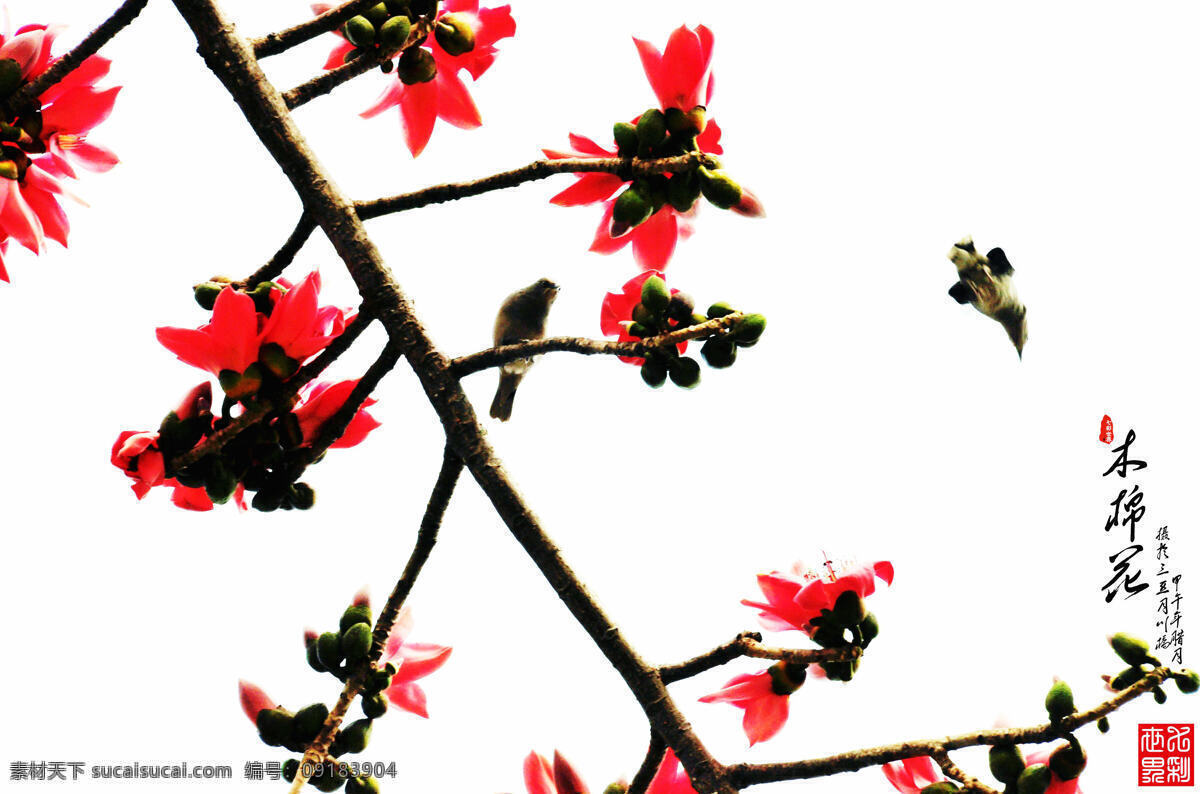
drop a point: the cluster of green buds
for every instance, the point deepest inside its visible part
(657, 135)
(20, 126)
(848, 624)
(387, 28)
(1008, 765)
(1136, 653)
(661, 312)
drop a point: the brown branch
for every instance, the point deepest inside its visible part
(91, 44)
(257, 411)
(284, 256)
(951, 770)
(233, 62)
(431, 522)
(645, 774)
(624, 167)
(749, 643)
(497, 356)
(753, 774)
(275, 43)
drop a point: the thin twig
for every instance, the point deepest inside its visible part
(275, 43)
(284, 256)
(435, 511)
(952, 771)
(749, 643)
(91, 44)
(624, 167)
(498, 356)
(645, 774)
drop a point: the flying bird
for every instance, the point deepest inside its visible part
(522, 317)
(985, 282)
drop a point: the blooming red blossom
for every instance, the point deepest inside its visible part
(137, 454)
(445, 96)
(298, 324)
(416, 660)
(671, 778)
(542, 777)
(766, 710)
(322, 400)
(912, 774)
(794, 599)
(254, 700)
(45, 144)
(616, 311)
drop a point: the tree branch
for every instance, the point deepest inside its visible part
(749, 643)
(645, 774)
(754, 774)
(498, 356)
(71, 60)
(284, 40)
(624, 167)
(952, 771)
(284, 256)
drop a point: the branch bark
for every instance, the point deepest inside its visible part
(284, 40)
(749, 643)
(284, 256)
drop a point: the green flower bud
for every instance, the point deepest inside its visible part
(719, 189)
(645, 317)
(719, 353)
(32, 123)
(1131, 650)
(363, 784)
(377, 14)
(1068, 761)
(686, 124)
(655, 295)
(10, 77)
(837, 671)
(9, 170)
(220, 483)
(1060, 702)
(329, 649)
(394, 33)
(377, 681)
(1102, 724)
(829, 636)
(1187, 681)
(302, 496)
(1160, 696)
(1126, 678)
(748, 329)
(654, 372)
(720, 310)
(941, 787)
(1007, 762)
(625, 134)
(698, 319)
(868, 629)
(391, 668)
(355, 613)
(1034, 780)
(848, 610)
(329, 776)
(355, 736)
(683, 190)
(416, 65)
(632, 208)
(638, 330)
(267, 500)
(206, 294)
(310, 653)
(308, 722)
(454, 34)
(274, 726)
(374, 706)
(787, 677)
(359, 31)
(616, 788)
(290, 768)
(356, 642)
(651, 131)
(684, 372)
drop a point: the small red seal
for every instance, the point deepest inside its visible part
(1106, 431)
(1166, 755)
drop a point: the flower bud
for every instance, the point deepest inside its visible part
(749, 206)
(625, 134)
(359, 31)
(301, 495)
(289, 769)
(10, 77)
(310, 653)
(643, 316)
(377, 14)
(686, 124)
(697, 319)
(290, 433)
(632, 208)
(267, 500)
(377, 681)
(1068, 761)
(220, 483)
(416, 65)
(1007, 762)
(329, 649)
(1060, 702)
(1160, 695)
(619, 787)
(848, 610)
(654, 372)
(355, 736)
(374, 706)
(1131, 650)
(868, 629)
(651, 131)
(720, 310)
(262, 297)
(941, 787)
(684, 372)
(454, 34)
(683, 190)
(1034, 780)
(719, 189)
(1125, 679)
(206, 294)
(655, 295)
(329, 776)
(274, 726)
(9, 170)
(719, 353)
(1102, 724)
(308, 722)
(355, 613)
(787, 677)
(394, 32)
(1187, 681)
(680, 308)
(748, 329)
(363, 784)
(356, 642)
(239, 386)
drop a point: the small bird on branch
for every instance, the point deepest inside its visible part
(985, 282)
(522, 318)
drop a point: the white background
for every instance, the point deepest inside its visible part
(877, 418)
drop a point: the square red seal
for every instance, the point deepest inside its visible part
(1166, 755)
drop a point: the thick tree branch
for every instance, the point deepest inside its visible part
(284, 256)
(624, 167)
(431, 522)
(749, 643)
(331, 20)
(498, 356)
(754, 774)
(91, 44)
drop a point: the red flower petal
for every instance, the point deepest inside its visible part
(588, 189)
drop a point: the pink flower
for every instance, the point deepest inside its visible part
(766, 709)
(137, 454)
(794, 599)
(31, 165)
(299, 325)
(680, 76)
(229, 342)
(616, 312)
(416, 660)
(912, 774)
(254, 700)
(1057, 784)
(445, 96)
(321, 401)
(560, 778)
(670, 777)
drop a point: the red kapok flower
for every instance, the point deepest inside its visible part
(616, 312)
(137, 454)
(322, 400)
(298, 325)
(416, 660)
(40, 145)
(671, 778)
(560, 778)
(229, 341)
(445, 96)
(1057, 784)
(254, 700)
(794, 599)
(912, 774)
(681, 75)
(761, 696)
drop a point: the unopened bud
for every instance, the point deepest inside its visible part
(618, 787)
(274, 726)
(849, 609)
(719, 189)
(1187, 681)
(643, 316)
(308, 722)
(220, 483)
(1125, 679)
(681, 307)
(355, 736)
(651, 131)
(787, 677)
(356, 642)
(206, 294)
(748, 329)
(289, 769)
(1034, 780)
(454, 34)
(683, 190)
(720, 310)
(363, 784)
(655, 295)
(749, 206)
(625, 134)
(1007, 762)
(941, 787)
(632, 208)
(684, 372)
(301, 495)
(869, 629)
(9, 170)
(377, 14)
(394, 33)
(1131, 650)
(1060, 702)
(1068, 761)
(359, 31)
(1160, 695)
(654, 372)
(329, 650)
(355, 613)
(719, 353)
(374, 706)
(416, 65)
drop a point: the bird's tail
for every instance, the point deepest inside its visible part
(502, 403)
